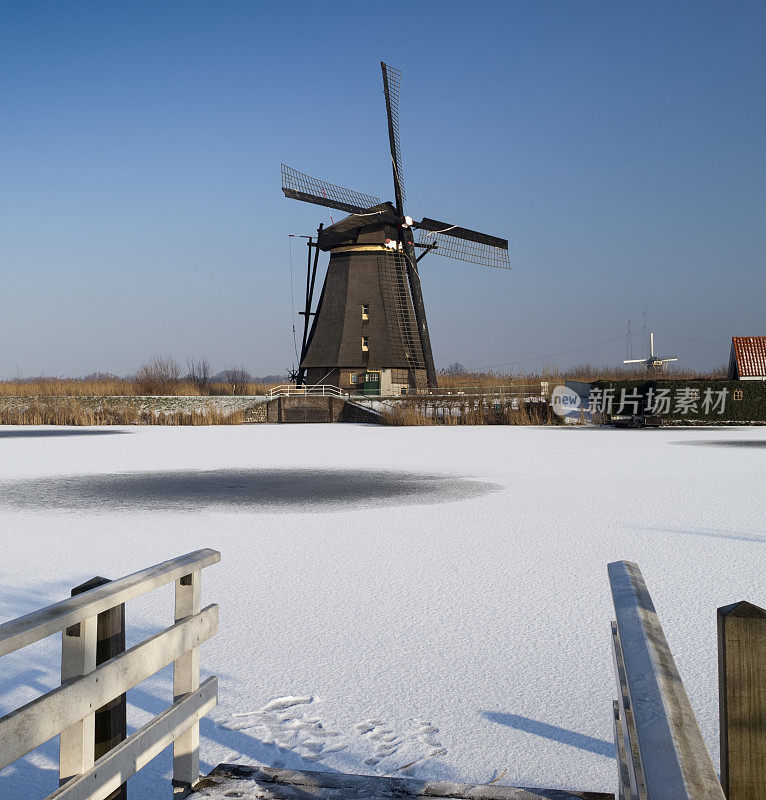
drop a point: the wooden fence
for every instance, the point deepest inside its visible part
(85, 687)
(660, 751)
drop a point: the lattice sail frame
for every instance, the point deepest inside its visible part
(399, 309)
(392, 81)
(299, 186)
(464, 250)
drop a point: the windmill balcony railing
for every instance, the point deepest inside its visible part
(319, 390)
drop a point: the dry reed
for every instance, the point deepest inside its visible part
(68, 411)
(471, 411)
(119, 387)
(487, 381)
(160, 377)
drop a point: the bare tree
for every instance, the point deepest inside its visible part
(238, 378)
(160, 375)
(199, 373)
(455, 369)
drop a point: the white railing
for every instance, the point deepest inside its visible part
(319, 390)
(660, 751)
(479, 390)
(69, 709)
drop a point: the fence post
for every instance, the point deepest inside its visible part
(110, 721)
(742, 700)
(186, 679)
(78, 657)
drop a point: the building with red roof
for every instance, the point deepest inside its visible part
(748, 358)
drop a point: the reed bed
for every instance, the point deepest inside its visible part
(493, 381)
(123, 387)
(161, 377)
(588, 373)
(69, 411)
(477, 411)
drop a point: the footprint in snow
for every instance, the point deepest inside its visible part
(281, 703)
(290, 724)
(409, 749)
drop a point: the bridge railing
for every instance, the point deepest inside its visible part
(85, 686)
(320, 390)
(660, 751)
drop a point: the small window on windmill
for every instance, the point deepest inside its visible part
(365, 343)
(365, 313)
(352, 377)
(738, 394)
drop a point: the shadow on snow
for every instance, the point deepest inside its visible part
(263, 489)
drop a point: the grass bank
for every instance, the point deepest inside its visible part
(74, 411)
(474, 411)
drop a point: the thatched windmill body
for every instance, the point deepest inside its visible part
(369, 329)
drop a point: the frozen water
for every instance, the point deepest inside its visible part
(446, 615)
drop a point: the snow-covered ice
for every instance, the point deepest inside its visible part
(422, 602)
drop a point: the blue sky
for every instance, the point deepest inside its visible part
(618, 146)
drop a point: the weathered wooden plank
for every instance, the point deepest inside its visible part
(39, 720)
(269, 783)
(46, 621)
(637, 788)
(186, 679)
(79, 646)
(623, 777)
(742, 700)
(141, 747)
(675, 762)
(109, 721)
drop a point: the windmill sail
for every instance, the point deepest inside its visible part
(370, 323)
(299, 186)
(391, 82)
(463, 244)
(392, 79)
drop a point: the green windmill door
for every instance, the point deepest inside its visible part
(371, 383)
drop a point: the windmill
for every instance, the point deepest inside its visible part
(369, 330)
(653, 363)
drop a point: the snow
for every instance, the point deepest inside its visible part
(418, 602)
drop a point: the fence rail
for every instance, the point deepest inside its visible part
(457, 392)
(320, 390)
(661, 753)
(69, 709)
(485, 390)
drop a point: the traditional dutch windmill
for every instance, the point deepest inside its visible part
(653, 363)
(369, 328)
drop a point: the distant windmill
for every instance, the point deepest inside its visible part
(369, 327)
(653, 363)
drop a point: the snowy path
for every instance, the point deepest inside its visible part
(373, 620)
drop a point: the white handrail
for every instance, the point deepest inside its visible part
(69, 708)
(46, 716)
(46, 621)
(131, 755)
(319, 390)
(653, 715)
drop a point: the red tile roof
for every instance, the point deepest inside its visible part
(750, 352)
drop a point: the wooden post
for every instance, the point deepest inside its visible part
(110, 721)
(742, 700)
(186, 679)
(78, 657)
